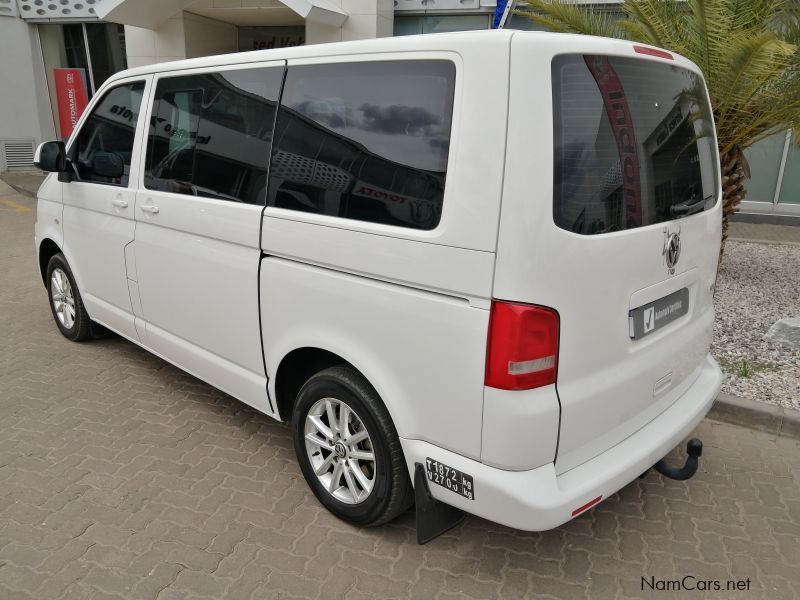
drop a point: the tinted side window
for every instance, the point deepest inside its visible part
(366, 141)
(105, 142)
(210, 134)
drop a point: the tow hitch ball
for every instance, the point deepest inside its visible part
(694, 449)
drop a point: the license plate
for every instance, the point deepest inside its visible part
(651, 317)
(450, 478)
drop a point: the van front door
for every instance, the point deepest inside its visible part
(98, 204)
(198, 223)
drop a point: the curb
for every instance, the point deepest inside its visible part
(761, 241)
(760, 416)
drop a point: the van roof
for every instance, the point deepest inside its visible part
(410, 43)
(451, 41)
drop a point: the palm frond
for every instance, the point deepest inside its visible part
(754, 63)
(651, 22)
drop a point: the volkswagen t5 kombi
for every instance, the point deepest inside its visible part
(487, 255)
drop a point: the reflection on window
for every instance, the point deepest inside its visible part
(210, 134)
(633, 143)
(366, 141)
(104, 144)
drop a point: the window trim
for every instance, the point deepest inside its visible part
(96, 99)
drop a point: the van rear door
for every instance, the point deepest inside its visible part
(611, 216)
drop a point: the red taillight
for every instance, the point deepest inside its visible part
(522, 352)
(652, 52)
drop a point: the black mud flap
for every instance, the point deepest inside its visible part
(433, 517)
(694, 450)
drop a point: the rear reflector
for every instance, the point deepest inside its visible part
(586, 506)
(653, 52)
(522, 350)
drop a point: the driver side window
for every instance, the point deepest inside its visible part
(103, 148)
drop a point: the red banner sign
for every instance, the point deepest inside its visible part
(619, 115)
(72, 98)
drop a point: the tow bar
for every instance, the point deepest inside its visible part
(694, 449)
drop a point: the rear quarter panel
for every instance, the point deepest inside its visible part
(422, 351)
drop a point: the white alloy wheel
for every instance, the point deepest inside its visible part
(340, 450)
(63, 298)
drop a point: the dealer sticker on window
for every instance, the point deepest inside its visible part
(450, 478)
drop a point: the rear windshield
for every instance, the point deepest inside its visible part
(633, 141)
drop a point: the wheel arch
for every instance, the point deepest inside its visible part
(295, 368)
(302, 361)
(47, 250)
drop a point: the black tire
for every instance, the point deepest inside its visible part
(392, 492)
(81, 327)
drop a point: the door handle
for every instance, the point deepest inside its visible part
(149, 208)
(119, 202)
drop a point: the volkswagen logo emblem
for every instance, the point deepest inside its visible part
(673, 250)
(340, 450)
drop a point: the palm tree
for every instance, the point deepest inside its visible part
(749, 51)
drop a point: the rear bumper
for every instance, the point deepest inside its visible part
(538, 499)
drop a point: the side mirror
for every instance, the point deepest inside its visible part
(51, 156)
(107, 164)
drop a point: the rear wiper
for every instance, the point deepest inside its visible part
(689, 208)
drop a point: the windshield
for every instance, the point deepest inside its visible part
(633, 142)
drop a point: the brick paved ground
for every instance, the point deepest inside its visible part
(122, 477)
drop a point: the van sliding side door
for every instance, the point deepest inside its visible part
(198, 220)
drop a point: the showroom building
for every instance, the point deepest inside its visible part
(56, 54)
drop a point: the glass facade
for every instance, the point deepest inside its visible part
(97, 50)
(790, 184)
(765, 163)
(774, 173)
(106, 43)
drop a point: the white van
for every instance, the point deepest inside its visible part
(484, 258)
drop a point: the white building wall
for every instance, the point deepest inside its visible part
(205, 36)
(24, 101)
(366, 19)
(184, 35)
(147, 46)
